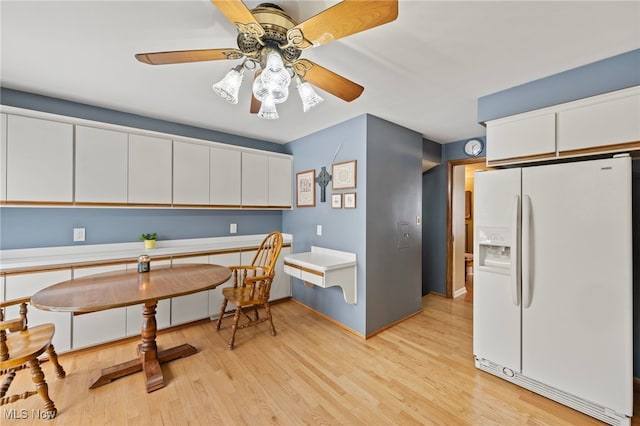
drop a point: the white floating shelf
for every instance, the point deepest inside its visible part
(325, 268)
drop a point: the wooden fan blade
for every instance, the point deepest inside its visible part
(236, 12)
(343, 19)
(183, 56)
(328, 81)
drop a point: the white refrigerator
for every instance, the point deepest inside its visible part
(553, 282)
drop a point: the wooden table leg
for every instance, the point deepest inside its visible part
(149, 360)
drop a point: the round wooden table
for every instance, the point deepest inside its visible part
(124, 288)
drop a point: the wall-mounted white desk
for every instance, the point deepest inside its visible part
(325, 268)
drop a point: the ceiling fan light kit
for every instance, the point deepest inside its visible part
(270, 39)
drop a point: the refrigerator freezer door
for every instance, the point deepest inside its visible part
(577, 330)
(496, 308)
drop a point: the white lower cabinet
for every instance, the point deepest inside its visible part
(281, 286)
(134, 312)
(21, 285)
(215, 295)
(190, 307)
(102, 326)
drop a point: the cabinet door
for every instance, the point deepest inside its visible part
(101, 166)
(281, 286)
(191, 307)
(280, 182)
(101, 326)
(225, 177)
(134, 312)
(255, 180)
(21, 285)
(609, 122)
(215, 295)
(190, 174)
(3, 157)
(522, 137)
(149, 170)
(39, 160)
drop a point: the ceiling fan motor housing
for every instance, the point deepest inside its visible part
(275, 23)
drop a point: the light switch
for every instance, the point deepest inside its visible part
(318, 230)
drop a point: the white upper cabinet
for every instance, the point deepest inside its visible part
(39, 160)
(255, 180)
(521, 136)
(150, 164)
(190, 174)
(101, 166)
(608, 120)
(225, 177)
(280, 182)
(3, 157)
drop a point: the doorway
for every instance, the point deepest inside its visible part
(459, 273)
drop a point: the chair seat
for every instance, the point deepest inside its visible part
(26, 345)
(241, 296)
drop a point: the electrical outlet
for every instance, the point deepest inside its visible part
(78, 234)
(318, 230)
(233, 228)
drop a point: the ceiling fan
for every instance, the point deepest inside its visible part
(271, 43)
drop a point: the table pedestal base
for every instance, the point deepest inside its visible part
(152, 371)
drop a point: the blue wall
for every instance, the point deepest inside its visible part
(342, 229)
(47, 227)
(608, 75)
(389, 165)
(434, 208)
(51, 227)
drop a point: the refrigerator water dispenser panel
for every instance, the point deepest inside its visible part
(494, 250)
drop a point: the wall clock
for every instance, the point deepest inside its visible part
(473, 147)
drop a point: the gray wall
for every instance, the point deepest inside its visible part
(394, 195)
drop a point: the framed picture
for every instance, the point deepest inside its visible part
(343, 175)
(336, 201)
(306, 188)
(350, 200)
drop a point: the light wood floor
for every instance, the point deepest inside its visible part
(418, 372)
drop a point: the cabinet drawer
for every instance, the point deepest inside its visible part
(293, 271)
(313, 278)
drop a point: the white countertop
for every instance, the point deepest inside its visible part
(18, 259)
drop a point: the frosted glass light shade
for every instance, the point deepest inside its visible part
(308, 96)
(229, 86)
(268, 108)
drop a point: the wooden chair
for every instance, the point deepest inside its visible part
(20, 347)
(251, 287)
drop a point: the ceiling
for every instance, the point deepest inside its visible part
(424, 71)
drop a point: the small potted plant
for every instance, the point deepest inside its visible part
(149, 240)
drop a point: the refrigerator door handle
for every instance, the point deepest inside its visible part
(526, 252)
(515, 261)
